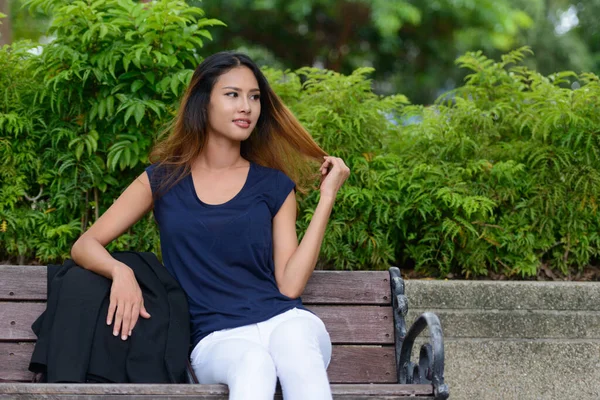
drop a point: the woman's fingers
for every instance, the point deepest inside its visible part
(135, 315)
(137, 311)
(325, 166)
(127, 319)
(336, 173)
(124, 320)
(126, 303)
(112, 307)
(143, 312)
(118, 319)
(334, 162)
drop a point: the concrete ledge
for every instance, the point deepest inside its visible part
(529, 324)
(515, 340)
(519, 370)
(504, 295)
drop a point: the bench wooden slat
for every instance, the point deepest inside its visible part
(340, 391)
(325, 287)
(14, 361)
(357, 324)
(349, 364)
(341, 287)
(362, 364)
(16, 320)
(346, 324)
(23, 283)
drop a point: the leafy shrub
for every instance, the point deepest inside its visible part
(500, 175)
(503, 174)
(78, 120)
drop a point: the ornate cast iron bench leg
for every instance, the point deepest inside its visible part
(430, 369)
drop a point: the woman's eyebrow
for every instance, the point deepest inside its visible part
(239, 90)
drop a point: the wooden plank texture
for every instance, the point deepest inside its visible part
(362, 364)
(325, 287)
(137, 391)
(346, 324)
(344, 287)
(357, 324)
(14, 361)
(349, 364)
(16, 320)
(23, 282)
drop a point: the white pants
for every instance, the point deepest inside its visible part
(293, 346)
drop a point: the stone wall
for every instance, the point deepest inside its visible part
(515, 340)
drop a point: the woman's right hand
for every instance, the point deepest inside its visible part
(126, 301)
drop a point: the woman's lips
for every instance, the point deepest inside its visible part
(242, 123)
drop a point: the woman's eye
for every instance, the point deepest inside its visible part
(255, 97)
(231, 94)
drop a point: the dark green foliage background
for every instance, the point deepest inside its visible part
(500, 175)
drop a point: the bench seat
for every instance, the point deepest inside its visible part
(364, 319)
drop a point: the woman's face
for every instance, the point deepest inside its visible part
(234, 105)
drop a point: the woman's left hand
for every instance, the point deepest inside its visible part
(334, 173)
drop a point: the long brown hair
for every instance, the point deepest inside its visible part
(278, 141)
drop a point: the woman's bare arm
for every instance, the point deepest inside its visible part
(295, 263)
(126, 302)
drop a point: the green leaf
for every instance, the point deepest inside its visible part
(129, 35)
(139, 112)
(110, 105)
(127, 61)
(150, 76)
(210, 22)
(205, 33)
(114, 158)
(101, 108)
(197, 41)
(174, 85)
(79, 149)
(103, 31)
(129, 112)
(163, 84)
(135, 86)
(154, 107)
(93, 112)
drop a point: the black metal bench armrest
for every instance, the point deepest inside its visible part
(430, 369)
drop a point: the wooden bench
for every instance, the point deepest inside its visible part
(363, 311)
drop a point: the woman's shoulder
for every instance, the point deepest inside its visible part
(156, 172)
(269, 174)
(266, 170)
(164, 175)
(161, 169)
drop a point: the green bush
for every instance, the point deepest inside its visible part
(499, 175)
(78, 120)
(503, 174)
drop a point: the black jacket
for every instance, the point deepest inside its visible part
(75, 344)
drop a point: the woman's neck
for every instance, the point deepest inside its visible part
(220, 155)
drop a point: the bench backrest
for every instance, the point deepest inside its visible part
(355, 306)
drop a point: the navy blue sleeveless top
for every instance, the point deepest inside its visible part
(222, 255)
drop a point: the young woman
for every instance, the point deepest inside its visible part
(222, 195)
